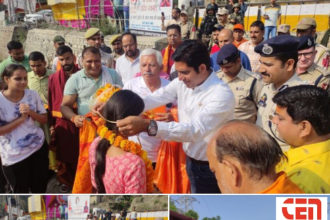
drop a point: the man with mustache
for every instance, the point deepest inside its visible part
(257, 30)
(117, 46)
(151, 67)
(245, 85)
(174, 40)
(128, 64)
(64, 133)
(278, 58)
(307, 69)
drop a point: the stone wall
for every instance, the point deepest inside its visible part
(42, 40)
(7, 34)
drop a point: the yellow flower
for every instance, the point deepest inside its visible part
(103, 131)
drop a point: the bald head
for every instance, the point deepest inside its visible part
(249, 144)
(225, 37)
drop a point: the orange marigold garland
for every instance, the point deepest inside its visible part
(132, 147)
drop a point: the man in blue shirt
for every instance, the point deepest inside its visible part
(226, 37)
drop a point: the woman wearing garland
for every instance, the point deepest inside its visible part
(118, 165)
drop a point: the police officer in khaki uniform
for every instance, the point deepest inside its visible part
(93, 38)
(245, 85)
(307, 26)
(223, 19)
(277, 76)
(117, 46)
(307, 69)
(324, 36)
(283, 29)
(188, 30)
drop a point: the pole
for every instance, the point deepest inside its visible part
(78, 15)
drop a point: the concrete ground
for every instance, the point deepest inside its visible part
(54, 186)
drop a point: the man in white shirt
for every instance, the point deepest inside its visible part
(133, 214)
(205, 103)
(128, 64)
(144, 85)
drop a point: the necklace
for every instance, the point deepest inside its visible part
(129, 146)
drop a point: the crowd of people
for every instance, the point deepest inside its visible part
(249, 117)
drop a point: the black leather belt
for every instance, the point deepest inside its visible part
(200, 162)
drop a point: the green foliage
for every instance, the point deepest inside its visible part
(192, 214)
(213, 218)
(141, 200)
(165, 205)
(156, 201)
(105, 26)
(172, 206)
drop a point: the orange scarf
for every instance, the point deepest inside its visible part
(83, 181)
(166, 58)
(170, 173)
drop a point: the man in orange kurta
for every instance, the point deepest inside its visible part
(243, 157)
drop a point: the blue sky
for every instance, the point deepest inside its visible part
(239, 207)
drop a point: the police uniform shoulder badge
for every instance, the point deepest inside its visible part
(263, 100)
(267, 49)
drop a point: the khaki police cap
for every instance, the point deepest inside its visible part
(223, 12)
(58, 39)
(116, 37)
(91, 32)
(305, 23)
(283, 28)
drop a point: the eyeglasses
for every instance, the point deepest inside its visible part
(306, 55)
(183, 15)
(128, 45)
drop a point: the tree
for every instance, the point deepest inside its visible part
(192, 214)
(172, 206)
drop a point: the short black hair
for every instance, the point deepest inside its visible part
(178, 10)
(36, 55)
(306, 102)
(63, 49)
(174, 26)
(258, 24)
(129, 33)
(14, 45)
(92, 50)
(193, 53)
(286, 56)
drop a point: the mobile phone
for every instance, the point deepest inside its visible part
(163, 14)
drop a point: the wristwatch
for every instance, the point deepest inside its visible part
(152, 128)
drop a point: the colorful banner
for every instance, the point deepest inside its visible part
(145, 16)
(52, 202)
(68, 11)
(78, 206)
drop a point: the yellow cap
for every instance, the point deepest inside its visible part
(115, 37)
(91, 32)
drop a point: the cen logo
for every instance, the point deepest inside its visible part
(301, 208)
